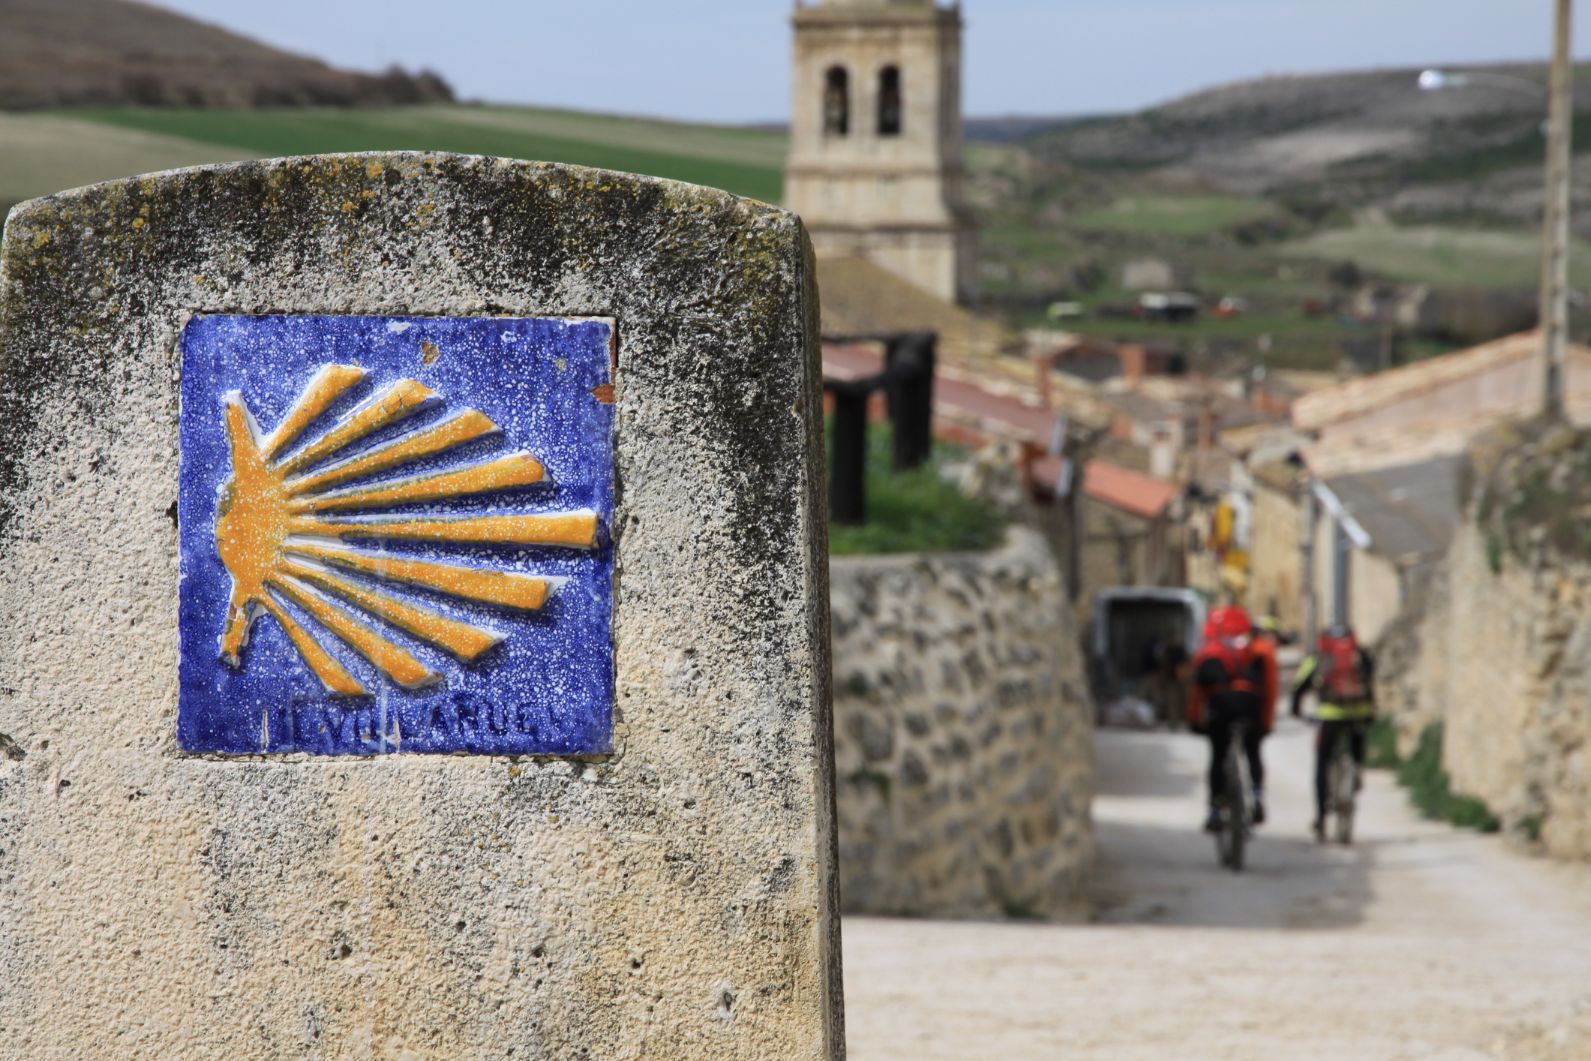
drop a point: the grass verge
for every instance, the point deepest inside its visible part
(1422, 773)
(1381, 745)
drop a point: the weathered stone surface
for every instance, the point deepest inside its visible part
(968, 663)
(1494, 643)
(672, 899)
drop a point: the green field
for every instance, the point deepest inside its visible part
(743, 161)
(1168, 215)
(1031, 253)
(1440, 255)
(43, 153)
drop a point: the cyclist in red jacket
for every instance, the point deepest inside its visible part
(1234, 677)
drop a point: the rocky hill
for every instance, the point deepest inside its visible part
(64, 52)
(1359, 139)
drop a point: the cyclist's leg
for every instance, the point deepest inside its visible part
(1325, 740)
(1218, 730)
(1356, 741)
(1252, 737)
(1358, 735)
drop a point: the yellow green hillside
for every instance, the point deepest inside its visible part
(45, 152)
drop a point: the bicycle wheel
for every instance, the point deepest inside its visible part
(1223, 833)
(1234, 832)
(1345, 784)
(1223, 841)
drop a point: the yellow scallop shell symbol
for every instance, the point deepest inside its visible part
(287, 516)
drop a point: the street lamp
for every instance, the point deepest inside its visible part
(1554, 313)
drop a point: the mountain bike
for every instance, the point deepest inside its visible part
(1237, 805)
(1343, 783)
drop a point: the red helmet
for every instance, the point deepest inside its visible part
(1228, 622)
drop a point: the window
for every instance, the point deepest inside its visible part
(837, 102)
(889, 102)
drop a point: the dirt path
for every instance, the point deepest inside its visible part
(1418, 942)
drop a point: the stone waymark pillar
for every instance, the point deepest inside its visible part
(413, 618)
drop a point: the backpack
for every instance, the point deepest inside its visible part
(1341, 676)
(1233, 661)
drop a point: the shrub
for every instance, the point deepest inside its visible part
(1494, 554)
(914, 511)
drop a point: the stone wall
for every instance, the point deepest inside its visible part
(1497, 647)
(963, 742)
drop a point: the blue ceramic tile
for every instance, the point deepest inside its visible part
(370, 510)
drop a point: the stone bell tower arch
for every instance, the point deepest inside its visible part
(875, 165)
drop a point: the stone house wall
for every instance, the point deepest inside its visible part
(1375, 594)
(963, 739)
(1375, 586)
(1121, 548)
(1501, 655)
(1275, 558)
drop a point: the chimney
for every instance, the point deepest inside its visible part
(1207, 425)
(1134, 359)
(1028, 455)
(1163, 455)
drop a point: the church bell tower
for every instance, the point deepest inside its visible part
(875, 139)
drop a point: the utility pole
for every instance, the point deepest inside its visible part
(1555, 220)
(1306, 548)
(1341, 570)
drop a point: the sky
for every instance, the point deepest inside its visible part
(727, 60)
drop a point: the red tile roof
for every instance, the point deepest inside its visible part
(851, 361)
(1046, 471)
(1142, 495)
(996, 415)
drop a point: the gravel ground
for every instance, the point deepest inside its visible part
(1417, 942)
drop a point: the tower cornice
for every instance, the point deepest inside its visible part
(816, 17)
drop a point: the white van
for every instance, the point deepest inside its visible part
(1137, 637)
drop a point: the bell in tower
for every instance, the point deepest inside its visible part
(875, 139)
